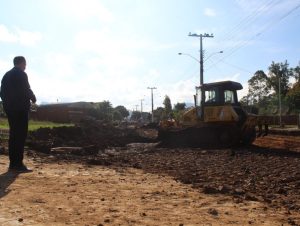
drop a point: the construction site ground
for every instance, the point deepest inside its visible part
(144, 184)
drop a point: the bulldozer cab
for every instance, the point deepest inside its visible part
(211, 98)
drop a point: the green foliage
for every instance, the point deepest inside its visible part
(168, 106)
(178, 111)
(293, 96)
(179, 106)
(117, 116)
(158, 114)
(258, 87)
(34, 125)
(244, 101)
(260, 93)
(296, 72)
(105, 110)
(122, 110)
(102, 110)
(279, 71)
(135, 116)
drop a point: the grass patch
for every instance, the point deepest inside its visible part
(34, 125)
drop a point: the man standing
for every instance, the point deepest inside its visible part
(16, 96)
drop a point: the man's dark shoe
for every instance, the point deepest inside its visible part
(19, 169)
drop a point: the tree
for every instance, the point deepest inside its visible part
(245, 100)
(104, 109)
(293, 96)
(179, 106)
(117, 116)
(168, 106)
(158, 114)
(178, 111)
(258, 87)
(123, 111)
(296, 73)
(135, 116)
(279, 71)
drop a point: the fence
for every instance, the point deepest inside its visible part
(285, 120)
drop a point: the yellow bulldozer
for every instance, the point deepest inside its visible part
(217, 119)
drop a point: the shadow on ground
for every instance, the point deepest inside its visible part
(6, 179)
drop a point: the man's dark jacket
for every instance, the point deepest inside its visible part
(15, 91)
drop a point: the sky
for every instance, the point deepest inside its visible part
(113, 50)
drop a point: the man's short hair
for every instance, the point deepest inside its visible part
(18, 60)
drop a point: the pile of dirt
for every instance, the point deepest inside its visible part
(90, 135)
(280, 141)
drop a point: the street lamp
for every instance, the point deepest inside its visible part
(186, 54)
(212, 55)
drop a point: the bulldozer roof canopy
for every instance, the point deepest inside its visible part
(230, 85)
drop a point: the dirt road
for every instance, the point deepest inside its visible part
(142, 184)
(74, 194)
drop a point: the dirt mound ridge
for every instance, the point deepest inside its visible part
(91, 135)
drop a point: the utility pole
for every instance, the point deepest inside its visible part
(201, 36)
(279, 98)
(141, 108)
(152, 88)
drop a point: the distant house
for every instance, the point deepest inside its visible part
(63, 112)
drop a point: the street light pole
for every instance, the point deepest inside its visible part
(152, 88)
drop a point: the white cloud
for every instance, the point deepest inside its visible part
(209, 12)
(84, 10)
(5, 66)
(6, 36)
(181, 91)
(104, 41)
(23, 37)
(115, 56)
(28, 38)
(60, 65)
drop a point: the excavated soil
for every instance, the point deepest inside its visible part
(267, 171)
(144, 184)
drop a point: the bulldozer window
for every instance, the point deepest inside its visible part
(229, 96)
(210, 96)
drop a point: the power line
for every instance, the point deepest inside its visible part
(265, 28)
(235, 66)
(246, 24)
(248, 20)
